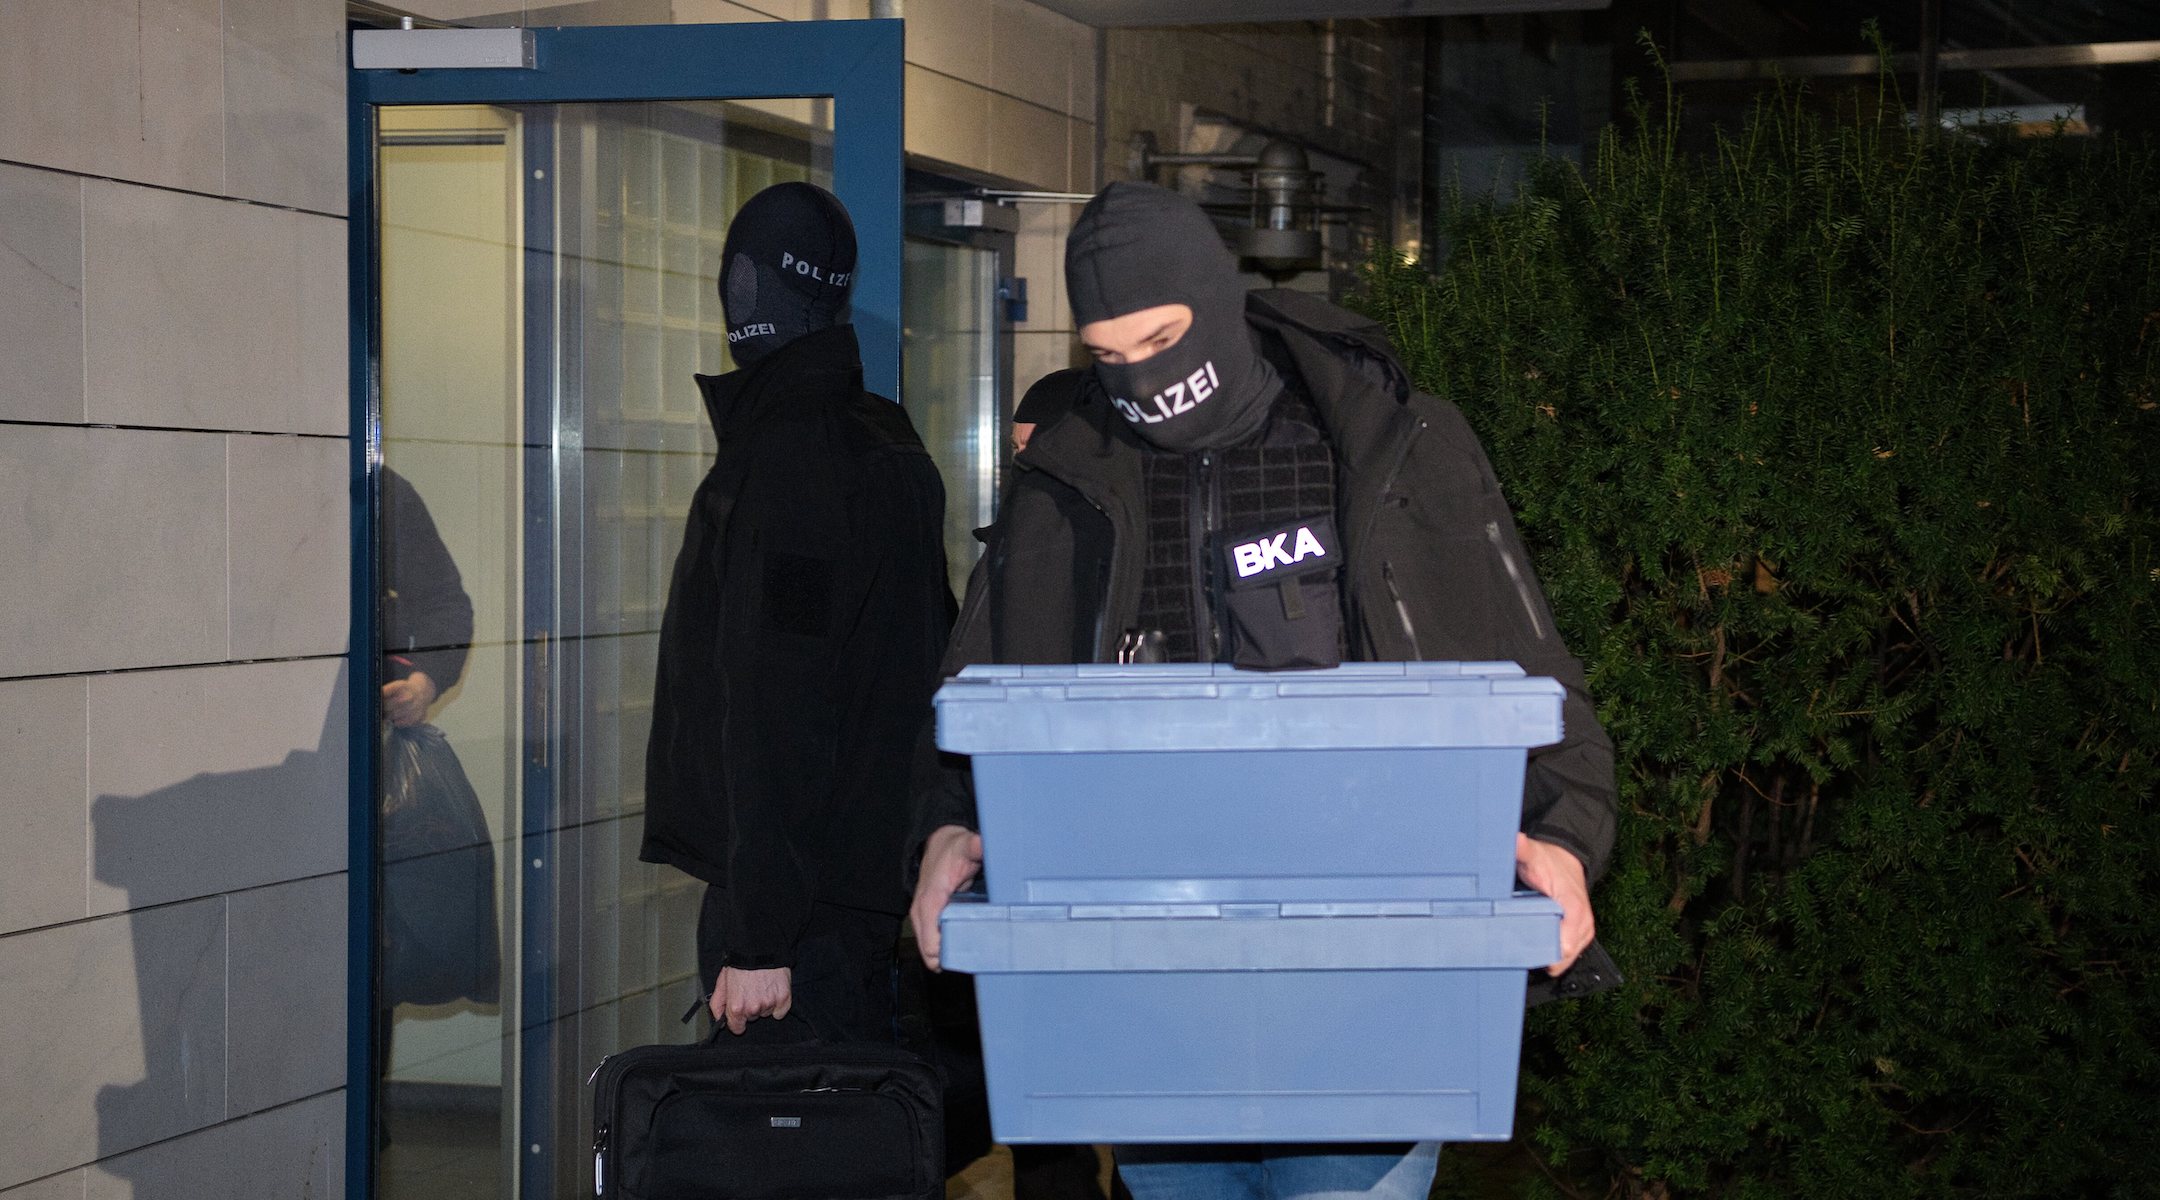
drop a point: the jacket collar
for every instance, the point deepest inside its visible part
(1340, 355)
(815, 365)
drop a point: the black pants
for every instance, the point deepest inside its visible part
(843, 982)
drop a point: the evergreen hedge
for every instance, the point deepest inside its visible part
(1839, 451)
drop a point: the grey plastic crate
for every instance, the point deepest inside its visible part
(1252, 1022)
(1183, 783)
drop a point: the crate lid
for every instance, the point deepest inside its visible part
(1208, 706)
(1522, 931)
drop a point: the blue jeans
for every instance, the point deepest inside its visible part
(1318, 1172)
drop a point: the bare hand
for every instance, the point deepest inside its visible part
(405, 701)
(740, 997)
(1556, 872)
(951, 857)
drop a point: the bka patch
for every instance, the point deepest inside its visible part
(798, 594)
(1293, 549)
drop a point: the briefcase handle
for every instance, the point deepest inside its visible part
(791, 1030)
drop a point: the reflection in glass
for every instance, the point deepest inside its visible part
(949, 382)
(546, 276)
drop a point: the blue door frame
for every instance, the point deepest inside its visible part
(856, 63)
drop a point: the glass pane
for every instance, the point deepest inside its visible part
(949, 381)
(546, 276)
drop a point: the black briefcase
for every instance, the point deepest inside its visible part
(725, 1120)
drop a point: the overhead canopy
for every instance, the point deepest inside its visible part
(1211, 12)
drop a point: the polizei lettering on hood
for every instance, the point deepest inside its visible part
(810, 270)
(1180, 397)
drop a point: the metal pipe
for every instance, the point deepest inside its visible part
(2008, 58)
(887, 10)
(1205, 160)
(1005, 197)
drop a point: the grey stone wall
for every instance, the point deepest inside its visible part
(173, 573)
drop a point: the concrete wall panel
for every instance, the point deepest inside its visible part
(115, 1036)
(41, 333)
(115, 545)
(951, 37)
(1027, 143)
(291, 551)
(214, 779)
(946, 119)
(285, 102)
(125, 88)
(1031, 53)
(287, 980)
(68, 1185)
(291, 1153)
(207, 314)
(42, 857)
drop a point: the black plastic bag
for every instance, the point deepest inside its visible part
(439, 941)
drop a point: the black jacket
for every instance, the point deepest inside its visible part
(427, 617)
(799, 651)
(1434, 568)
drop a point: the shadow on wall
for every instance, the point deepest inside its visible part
(236, 894)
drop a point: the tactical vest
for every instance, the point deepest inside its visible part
(1244, 564)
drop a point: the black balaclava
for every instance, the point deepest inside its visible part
(1137, 246)
(786, 268)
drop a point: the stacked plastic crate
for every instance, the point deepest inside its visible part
(1227, 906)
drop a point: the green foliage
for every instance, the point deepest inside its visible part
(1839, 449)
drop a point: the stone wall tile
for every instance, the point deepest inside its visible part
(212, 314)
(214, 779)
(41, 323)
(41, 791)
(114, 1038)
(115, 545)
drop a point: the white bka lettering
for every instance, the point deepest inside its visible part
(1180, 397)
(749, 331)
(1268, 553)
(788, 262)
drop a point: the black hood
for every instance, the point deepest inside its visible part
(1137, 246)
(787, 268)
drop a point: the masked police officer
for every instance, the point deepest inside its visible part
(1250, 478)
(801, 643)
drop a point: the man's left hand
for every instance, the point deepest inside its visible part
(1555, 871)
(405, 701)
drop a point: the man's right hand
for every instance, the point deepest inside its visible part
(952, 856)
(740, 997)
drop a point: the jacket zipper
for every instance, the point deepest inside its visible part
(1387, 570)
(1515, 575)
(1402, 610)
(1200, 524)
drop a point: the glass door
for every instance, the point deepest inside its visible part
(958, 348)
(534, 264)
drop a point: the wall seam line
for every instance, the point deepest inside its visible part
(180, 666)
(102, 425)
(166, 187)
(89, 918)
(228, 548)
(82, 288)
